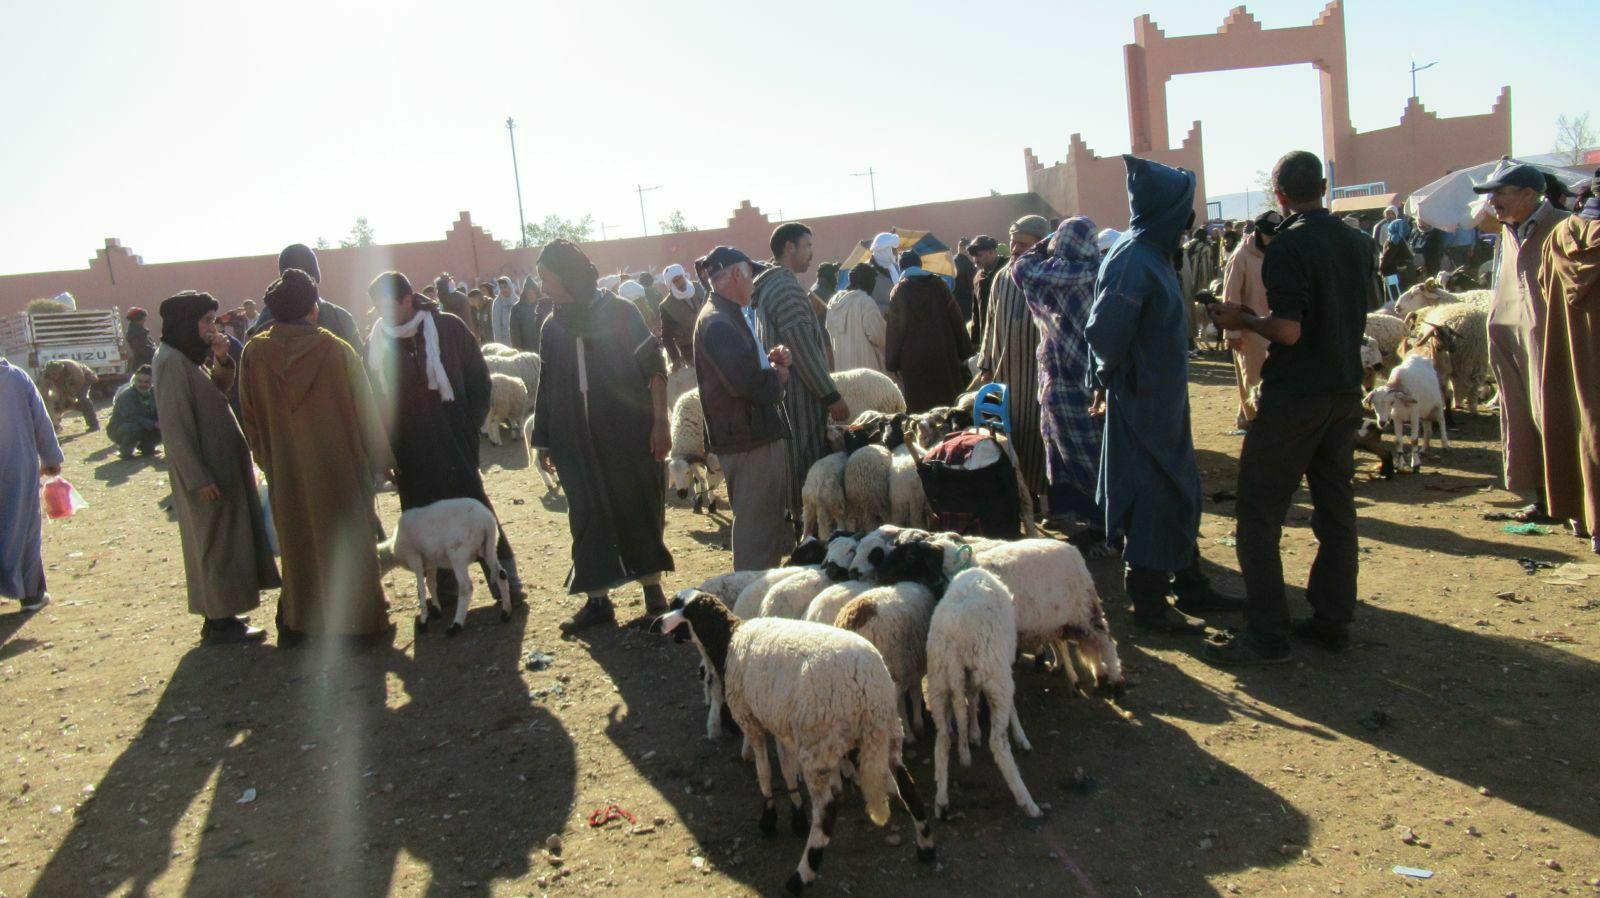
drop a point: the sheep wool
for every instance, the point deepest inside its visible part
(822, 498)
(864, 389)
(866, 487)
(793, 596)
(895, 620)
(748, 605)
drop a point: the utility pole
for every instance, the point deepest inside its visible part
(604, 227)
(872, 181)
(1418, 68)
(642, 190)
(511, 130)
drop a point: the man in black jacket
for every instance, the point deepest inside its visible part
(741, 392)
(331, 318)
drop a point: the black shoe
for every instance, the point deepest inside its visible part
(595, 612)
(36, 603)
(125, 454)
(230, 630)
(1242, 651)
(289, 639)
(1168, 620)
(1204, 597)
(1330, 639)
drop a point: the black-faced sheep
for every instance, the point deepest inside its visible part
(449, 534)
(821, 692)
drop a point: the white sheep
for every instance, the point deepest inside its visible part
(449, 534)
(497, 349)
(1411, 394)
(1431, 293)
(551, 483)
(866, 487)
(895, 620)
(864, 389)
(791, 597)
(1387, 331)
(825, 608)
(508, 405)
(680, 382)
(691, 466)
(908, 501)
(748, 604)
(822, 498)
(972, 640)
(524, 366)
(1467, 322)
(821, 692)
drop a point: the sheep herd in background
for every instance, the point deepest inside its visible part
(836, 655)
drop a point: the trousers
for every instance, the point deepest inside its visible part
(1295, 436)
(758, 491)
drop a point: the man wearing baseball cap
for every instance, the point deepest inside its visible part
(742, 387)
(1516, 324)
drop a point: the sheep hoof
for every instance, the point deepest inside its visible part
(1120, 690)
(712, 505)
(799, 823)
(697, 506)
(795, 885)
(453, 629)
(928, 855)
(769, 820)
(1032, 810)
(941, 812)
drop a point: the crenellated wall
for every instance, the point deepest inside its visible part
(1084, 183)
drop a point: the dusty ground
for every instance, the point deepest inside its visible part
(1465, 721)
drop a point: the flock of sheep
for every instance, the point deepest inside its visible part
(836, 655)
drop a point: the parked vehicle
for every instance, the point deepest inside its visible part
(93, 337)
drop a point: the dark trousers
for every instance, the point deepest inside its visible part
(1296, 436)
(1067, 498)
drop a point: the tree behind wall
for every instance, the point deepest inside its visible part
(674, 224)
(577, 230)
(360, 234)
(1574, 138)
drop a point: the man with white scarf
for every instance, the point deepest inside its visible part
(885, 248)
(433, 391)
(679, 309)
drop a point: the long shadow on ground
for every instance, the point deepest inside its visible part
(462, 777)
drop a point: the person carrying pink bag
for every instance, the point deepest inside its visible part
(28, 449)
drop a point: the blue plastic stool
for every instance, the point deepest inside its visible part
(992, 408)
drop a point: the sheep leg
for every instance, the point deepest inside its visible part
(463, 597)
(905, 719)
(808, 518)
(1444, 434)
(906, 790)
(756, 738)
(492, 428)
(916, 708)
(791, 782)
(714, 714)
(966, 714)
(422, 600)
(939, 710)
(1017, 735)
(824, 811)
(497, 575)
(1001, 696)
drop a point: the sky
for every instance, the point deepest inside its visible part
(195, 129)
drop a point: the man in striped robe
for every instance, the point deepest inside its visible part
(1009, 354)
(784, 318)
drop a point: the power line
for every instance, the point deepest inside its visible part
(644, 222)
(871, 175)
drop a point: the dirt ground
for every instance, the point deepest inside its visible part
(1459, 737)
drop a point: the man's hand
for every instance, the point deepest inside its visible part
(1229, 315)
(50, 470)
(209, 492)
(660, 439)
(547, 464)
(780, 357)
(1097, 408)
(219, 345)
(839, 411)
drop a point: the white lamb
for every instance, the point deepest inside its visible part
(1412, 394)
(680, 382)
(972, 640)
(490, 349)
(1467, 322)
(908, 501)
(551, 484)
(822, 499)
(449, 534)
(748, 605)
(691, 466)
(524, 366)
(791, 597)
(821, 692)
(864, 389)
(1386, 330)
(825, 608)
(866, 487)
(895, 620)
(508, 406)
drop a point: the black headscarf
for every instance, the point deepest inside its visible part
(292, 296)
(570, 266)
(180, 323)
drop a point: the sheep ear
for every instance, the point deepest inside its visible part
(667, 623)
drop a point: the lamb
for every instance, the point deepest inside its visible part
(1371, 361)
(748, 604)
(551, 484)
(895, 620)
(691, 466)
(972, 639)
(508, 405)
(680, 382)
(493, 349)
(840, 554)
(822, 497)
(864, 389)
(1468, 320)
(1387, 331)
(866, 487)
(825, 608)
(524, 366)
(1431, 293)
(449, 533)
(791, 597)
(821, 692)
(933, 425)
(1413, 392)
(908, 501)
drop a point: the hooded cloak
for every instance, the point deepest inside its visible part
(180, 323)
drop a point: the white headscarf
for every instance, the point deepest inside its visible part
(378, 350)
(632, 291)
(670, 274)
(609, 282)
(1106, 239)
(883, 251)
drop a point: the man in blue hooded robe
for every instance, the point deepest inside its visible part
(1138, 339)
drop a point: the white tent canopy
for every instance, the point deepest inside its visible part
(1449, 202)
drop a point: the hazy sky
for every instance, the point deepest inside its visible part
(197, 128)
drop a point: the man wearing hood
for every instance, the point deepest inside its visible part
(784, 318)
(527, 317)
(1009, 353)
(433, 390)
(331, 318)
(678, 311)
(227, 556)
(1318, 277)
(1149, 484)
(505, 296)
(925, 344)
(637, 296)
(855, 326)
(141, 349)
(313, 427)
(1570, 381)
(883, 250)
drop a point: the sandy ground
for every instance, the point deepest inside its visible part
(1458, 737)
